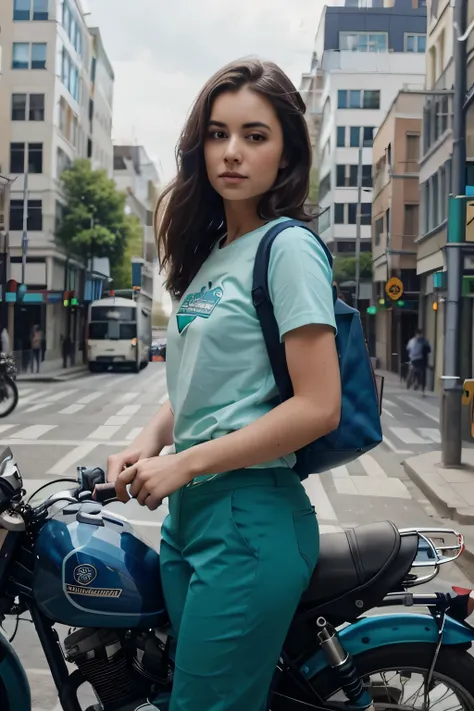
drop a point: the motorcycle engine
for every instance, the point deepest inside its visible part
(119, 669)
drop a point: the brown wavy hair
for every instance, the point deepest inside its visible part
(189, 216)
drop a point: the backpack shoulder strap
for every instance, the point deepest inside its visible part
(264, 307)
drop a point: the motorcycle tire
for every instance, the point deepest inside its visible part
(14, 388)
(4, 703)
(453, 664)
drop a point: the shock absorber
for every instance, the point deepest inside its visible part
(343, 664)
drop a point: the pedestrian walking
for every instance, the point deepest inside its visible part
(36, 347)
(241, 540)
(418, 349)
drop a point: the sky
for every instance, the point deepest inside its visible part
(163, 52)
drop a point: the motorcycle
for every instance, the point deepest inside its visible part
(70, 561)
(8, 387)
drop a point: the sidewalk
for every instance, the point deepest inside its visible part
(451, 491)
(430, 403)
(52, 371)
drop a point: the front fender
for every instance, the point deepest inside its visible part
(373, 632)
(14, 678)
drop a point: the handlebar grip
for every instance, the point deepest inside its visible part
(104, 492)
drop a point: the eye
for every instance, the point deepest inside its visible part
(217, 134)
(257, 137)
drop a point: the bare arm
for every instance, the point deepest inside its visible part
(158, 433)
(312, 412)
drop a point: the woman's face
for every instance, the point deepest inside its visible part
(244, 145)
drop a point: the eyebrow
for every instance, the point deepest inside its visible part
(250, 124)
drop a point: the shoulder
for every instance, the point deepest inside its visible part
(301, 247)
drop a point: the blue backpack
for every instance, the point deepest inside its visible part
(360, 428)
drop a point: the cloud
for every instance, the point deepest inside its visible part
(163, 52)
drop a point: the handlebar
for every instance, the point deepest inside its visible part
(104, 492)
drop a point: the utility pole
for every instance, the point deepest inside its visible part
(358, 226)
(24, 237)
(451, 442)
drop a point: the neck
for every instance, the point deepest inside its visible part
(241, 217)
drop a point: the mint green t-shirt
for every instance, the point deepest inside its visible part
(218, 373)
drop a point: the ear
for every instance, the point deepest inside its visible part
(283, 163)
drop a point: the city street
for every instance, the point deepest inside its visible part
(58, 426)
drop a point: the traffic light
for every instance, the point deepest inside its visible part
(70, 299)
(400, 303)
(371, 310)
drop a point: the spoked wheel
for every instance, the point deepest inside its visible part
(396, 677)
(8, 395)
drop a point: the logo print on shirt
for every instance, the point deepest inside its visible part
(200, 304)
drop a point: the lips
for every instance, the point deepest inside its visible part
(231, 174)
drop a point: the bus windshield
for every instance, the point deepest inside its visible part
(112, 330)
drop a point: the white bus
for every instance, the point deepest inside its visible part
(119, 333)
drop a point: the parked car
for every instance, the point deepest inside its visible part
(158, 350)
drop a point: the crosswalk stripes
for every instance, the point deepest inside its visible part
(34, 431)
(376, 482)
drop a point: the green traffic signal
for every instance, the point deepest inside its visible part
(400, 303)
(372, 310)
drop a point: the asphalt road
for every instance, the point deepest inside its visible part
(58, 426)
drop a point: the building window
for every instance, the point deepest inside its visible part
(378, 231)
(36, 107)
(366, 213)
(341, 136)
(411, 220)
(366, 176)
(340, 176)
(324, 186)
(35, 157)
(371, 99)
(368, 136)
(63, 162)
(17, 158)
(415, 43)
(339, 213)
(30, 10)
(354, 138)
(40, 10)
(324, 220)
(38, 55)
(70, 75)
(19, 107)
(21, 10)
(20, 55)
(16, 215)
(363, 41)
(35, 215)
(358, 99)
(413, 153)
(352, 213)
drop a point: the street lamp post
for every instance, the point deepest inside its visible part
(451, 418)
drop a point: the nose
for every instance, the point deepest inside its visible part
(233, 151)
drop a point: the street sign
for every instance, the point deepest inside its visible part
(394, 288)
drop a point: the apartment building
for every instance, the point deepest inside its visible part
(395, 219)
(435, 179)
(136, 175)
(367, 54)
(56, 90)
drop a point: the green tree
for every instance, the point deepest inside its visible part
(313, 186)
(121, 272)
(94, 223)
(345, 267)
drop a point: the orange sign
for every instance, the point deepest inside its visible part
(394, 288)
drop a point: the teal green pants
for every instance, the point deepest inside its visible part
(237, 553)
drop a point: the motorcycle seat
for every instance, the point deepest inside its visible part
(372, 557)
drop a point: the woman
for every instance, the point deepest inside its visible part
(241, 541)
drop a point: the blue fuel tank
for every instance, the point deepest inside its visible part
(93, 570)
